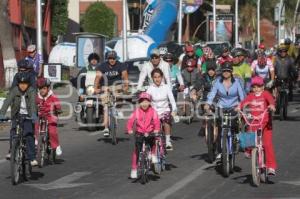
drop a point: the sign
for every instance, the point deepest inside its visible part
(224, 27)
(190, 6)
(53, 72)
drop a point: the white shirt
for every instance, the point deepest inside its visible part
(23, 106)
(263, 72)
(146, 72)
(162, 96)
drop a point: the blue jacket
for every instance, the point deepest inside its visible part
(226, 99)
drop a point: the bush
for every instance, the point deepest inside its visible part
(99, 19)
(59, 17)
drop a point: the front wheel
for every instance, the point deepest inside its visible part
(209, 132)
(90, 118)
(41, 151)
(15, 162)
(225, 155)
(113, 129)
(255, 167)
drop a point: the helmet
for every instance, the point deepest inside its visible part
(168, 57)
(282, 47)
(43, 82)
(163, 51)
(154, 52)
(226, 66)
(287, 41)
(111, 54)
(23, 77)
(191, 63)
(261, 46)
(144, 96)
(262, 61)
(257, 80)
(25, 64)
(93, 56)
(238, 52)
(211, 66)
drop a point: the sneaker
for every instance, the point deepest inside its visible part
(105, 132)
(58, 151)
(34, 163)
(133, 174)
(169, 146)
(154, 159)
(7, 157)
(218, 157)
(271, 172)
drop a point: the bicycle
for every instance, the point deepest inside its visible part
(282, 99)
(43, 146)
(112, 117)
(228, 143)
(254, 141)
(210, 135)
(19, 163)
(161, 152)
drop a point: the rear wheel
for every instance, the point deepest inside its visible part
(225, 155)
(158, 165)
(15, 162)
(210, 141)
(113, 128)
(90, 118)
(143, 169)
(255, 167)
(41, 151)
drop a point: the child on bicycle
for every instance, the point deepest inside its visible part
(147, 122)
(162, 97)
(21, 99)
(48, 107)
(257, 102)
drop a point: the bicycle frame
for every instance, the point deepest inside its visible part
(226, 125)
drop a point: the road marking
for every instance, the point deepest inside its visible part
(182, 183)
(63, 183)
(2, 161)
(296, 183)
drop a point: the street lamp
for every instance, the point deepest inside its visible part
(180, 22)
(215, 21)
(39, 34)
(236, 22)
(124, 30)
(258, 22)
(279, 20)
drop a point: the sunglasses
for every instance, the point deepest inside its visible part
(227, 71)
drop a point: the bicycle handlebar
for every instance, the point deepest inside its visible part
(254, 118)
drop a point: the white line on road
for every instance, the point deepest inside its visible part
(2, 161)
(182, 183)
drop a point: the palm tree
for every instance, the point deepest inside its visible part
(8, 53)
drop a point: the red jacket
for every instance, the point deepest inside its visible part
(146, 121)
(258, 104)
(48, 106)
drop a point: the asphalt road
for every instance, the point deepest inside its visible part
(92, 168)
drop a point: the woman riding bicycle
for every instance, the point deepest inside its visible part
(229, 93)
(162, 97)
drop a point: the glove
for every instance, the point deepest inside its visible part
(270, 84)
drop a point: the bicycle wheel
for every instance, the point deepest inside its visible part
(158, 165)
(15, 161)
(285, 107)
(231, 162)
(143, 177)
(26, 169)
(263, 171)
(281, 107)
(255, 167)
(41, 151)
(90, 118)
(113, 128)
(225, 154)
(210, 141)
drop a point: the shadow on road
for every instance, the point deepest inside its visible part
(109, 140)
(169, 167)
(247, 179)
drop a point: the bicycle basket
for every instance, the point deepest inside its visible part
(247, 139)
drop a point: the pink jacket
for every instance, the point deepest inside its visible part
(146, 121)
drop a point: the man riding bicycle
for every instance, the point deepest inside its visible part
(111, 76)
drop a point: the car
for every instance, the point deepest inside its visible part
(216, 47)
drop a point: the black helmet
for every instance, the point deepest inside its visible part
(25, 64)
(93, 56)
(168, 57)
(211, 65)
(111, 54)
(282, 47)
(23, 77)
(287, 41)
(238, 52)
(227, 66)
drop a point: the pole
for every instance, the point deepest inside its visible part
(180, 23)
(215, 21)
(141, 14)
(39, 30)
(124, 30)
(258, 22)
(279, 20)
(236, 22)
(295, 19)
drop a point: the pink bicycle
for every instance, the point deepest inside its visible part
(254, 141)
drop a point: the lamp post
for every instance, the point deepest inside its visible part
(180, 22)
(236, 22)
(214, 21)
(124, 30)
(258, 22)
(39, 34)
(279, 20)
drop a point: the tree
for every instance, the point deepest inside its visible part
(99, 19)
(8, 53)
(59, 23)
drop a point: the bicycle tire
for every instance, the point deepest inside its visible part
(26, 169)
(143, 178)
(210, 141)
(282, 106)
(225, 154)
(158, 165)
(255, 167)
(113, 129)
(90, 118)
(15, 162)
(41, 151)
(285, 107)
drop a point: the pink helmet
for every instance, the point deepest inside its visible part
(257, 80)
(145, 96)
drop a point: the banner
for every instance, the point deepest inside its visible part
(53, 72)
(224, 27)
(190, 6)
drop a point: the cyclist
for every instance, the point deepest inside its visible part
(284, 68)
(190, 54)
(21, 99)
(35, 59)
(190, 74)
(162, 97)
(25, 66)
(176, 77)
(229, 92)
(155, 62)
(224, 57)
(241, 69)
(112, 76)
(146, 121)
(257, 102)
(48, 107)
(264, 68)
